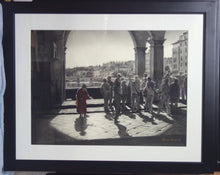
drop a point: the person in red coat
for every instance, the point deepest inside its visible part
(81, 97)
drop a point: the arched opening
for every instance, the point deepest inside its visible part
(94, 55)
(100, 50)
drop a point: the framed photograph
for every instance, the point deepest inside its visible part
(111, 87)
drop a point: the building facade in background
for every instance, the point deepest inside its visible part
(179, 55)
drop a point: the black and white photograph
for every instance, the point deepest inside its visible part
(123, 87)
(109, 87)
(98, 84)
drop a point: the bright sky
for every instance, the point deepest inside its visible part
(86, 48)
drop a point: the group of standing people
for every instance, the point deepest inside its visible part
(120, 93)
(135, 92)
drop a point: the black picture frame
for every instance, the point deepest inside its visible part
(210, 102)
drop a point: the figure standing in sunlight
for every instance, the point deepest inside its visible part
(150, 88)
(135, 95)
(123, 95)
(106, 91)
(111, 92)
(164, 97)
(81, 97)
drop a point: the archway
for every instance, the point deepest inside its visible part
(156, 40)
(48, 62)
(94, 55)
(140, 38)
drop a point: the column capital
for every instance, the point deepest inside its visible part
(58, 35)
(156, 42)
(141, 49)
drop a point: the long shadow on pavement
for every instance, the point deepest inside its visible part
(81, 125)
(109, 116)
(122, 130)
(129, 114)
(147, 118)
(163, 118)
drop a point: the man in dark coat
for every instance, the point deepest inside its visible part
(111, 92)
(174, 92)
(117, 95)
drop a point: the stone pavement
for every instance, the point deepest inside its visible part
(64, 126)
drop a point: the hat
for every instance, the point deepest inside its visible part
(83, 86)
(118, 75)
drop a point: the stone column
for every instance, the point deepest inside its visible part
(61, 69)
(140, 61)
(156, 60)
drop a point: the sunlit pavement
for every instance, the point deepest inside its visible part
(65, 126)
